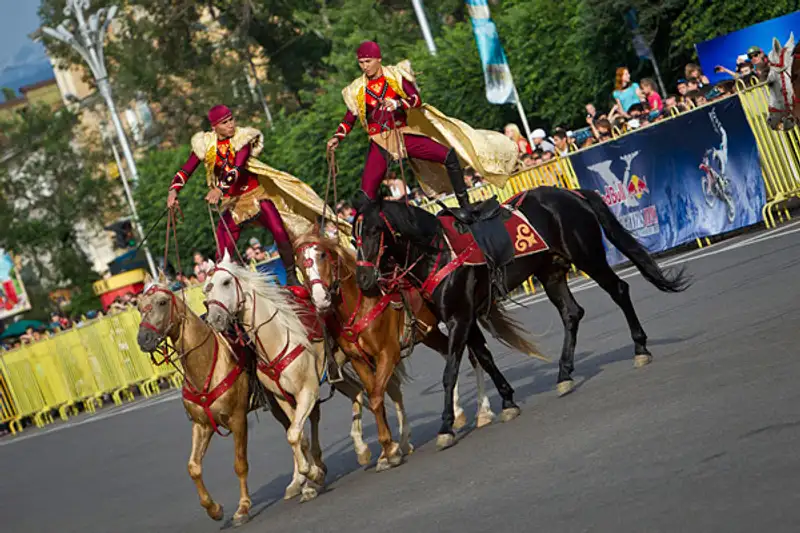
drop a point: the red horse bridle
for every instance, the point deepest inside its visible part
(205, 396)
(786, 80)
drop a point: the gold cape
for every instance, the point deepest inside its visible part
(493, 155)
(298, 204)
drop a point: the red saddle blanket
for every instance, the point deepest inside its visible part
(524, 237)
(308, 315)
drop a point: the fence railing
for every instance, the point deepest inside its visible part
(85, 366)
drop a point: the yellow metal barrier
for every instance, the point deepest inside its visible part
(780, 153)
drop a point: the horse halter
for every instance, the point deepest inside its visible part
(333, 288)
(240, 296)
(785, 78)
(149, 307)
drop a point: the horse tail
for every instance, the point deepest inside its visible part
(510, 332)
(671, 280)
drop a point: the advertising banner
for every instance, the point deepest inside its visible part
(13, 298)
(725, 49)
(496, 72)
(693, 176)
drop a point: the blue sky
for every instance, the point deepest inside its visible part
(21, 60)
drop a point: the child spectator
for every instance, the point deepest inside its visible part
(693, 71)
(651, 94)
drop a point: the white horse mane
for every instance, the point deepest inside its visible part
(286, 308)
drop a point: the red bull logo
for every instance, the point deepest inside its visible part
(637, 186)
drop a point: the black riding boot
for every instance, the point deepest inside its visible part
(456, 175)
(286, 252)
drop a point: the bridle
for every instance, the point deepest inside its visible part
(333, 288)
(785, 78)
(173, 304)
(240, 295)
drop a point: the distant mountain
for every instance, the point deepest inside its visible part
(29, 65)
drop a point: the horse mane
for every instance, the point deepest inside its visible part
(414, 223)
(347, 256)
(286, 307)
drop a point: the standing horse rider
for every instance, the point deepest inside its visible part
(249, 189)
(387, 102)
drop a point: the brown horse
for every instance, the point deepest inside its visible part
(374, 332)
(216, 391)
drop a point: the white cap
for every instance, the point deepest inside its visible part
(538, 134)
(570, 133)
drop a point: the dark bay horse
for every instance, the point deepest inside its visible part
(393, 236)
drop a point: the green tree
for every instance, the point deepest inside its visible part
(8, 94)
(48, 190)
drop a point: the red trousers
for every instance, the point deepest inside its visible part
(269, 218)
(417, 147)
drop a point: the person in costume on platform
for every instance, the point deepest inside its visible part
(249, 189)
(388, 104)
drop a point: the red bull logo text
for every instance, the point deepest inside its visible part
(618, 194)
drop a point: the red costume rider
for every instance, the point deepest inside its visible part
(232, 182)
(385, 112)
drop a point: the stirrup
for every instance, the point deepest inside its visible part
(334, 372)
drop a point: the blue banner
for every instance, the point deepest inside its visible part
(724, 50)
(496, 72)
(695, 175)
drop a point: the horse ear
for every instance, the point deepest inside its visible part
(148, 279)
(790, 42)
(776, 46)
(226, 257)
(162, 278)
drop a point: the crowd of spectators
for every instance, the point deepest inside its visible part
(634, 105)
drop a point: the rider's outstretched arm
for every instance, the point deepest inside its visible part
(345, 126)
(183, 175)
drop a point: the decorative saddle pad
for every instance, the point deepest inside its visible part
(525, 238)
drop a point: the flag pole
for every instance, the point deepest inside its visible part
(522, 116)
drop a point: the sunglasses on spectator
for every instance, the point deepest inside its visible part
(755, 54)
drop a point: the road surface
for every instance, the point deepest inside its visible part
(704, 439)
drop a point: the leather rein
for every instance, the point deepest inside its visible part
(398, 278)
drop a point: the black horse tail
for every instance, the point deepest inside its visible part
(510, 332)
(666, 281)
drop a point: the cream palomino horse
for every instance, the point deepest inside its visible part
(293, 363)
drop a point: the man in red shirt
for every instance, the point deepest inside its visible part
(381, 100)
(249, 189)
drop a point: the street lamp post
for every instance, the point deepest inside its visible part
(89, 44)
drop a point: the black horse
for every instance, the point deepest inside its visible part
(392, 236)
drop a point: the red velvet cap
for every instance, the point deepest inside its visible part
(369, 49)
(218, 113)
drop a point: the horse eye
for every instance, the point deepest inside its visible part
(162, 303)
(226, 283)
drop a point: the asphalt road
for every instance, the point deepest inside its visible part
(704, 439)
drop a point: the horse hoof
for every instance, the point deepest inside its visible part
(364, 457)
(240, 520)
(396, 460)
(292, 491)
(509, 414)
(460, 422)
(309, 493)
(565, 387)
(216, 512)
(642, 360)
(408, 449)
(444, 441)
(317, 475)
(484, 419)
(383, 465)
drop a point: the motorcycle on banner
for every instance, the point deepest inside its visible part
(714, 182)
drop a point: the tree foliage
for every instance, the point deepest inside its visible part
(48, 186)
